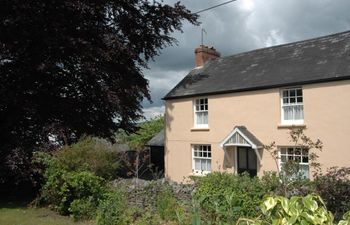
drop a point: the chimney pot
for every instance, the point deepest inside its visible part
(203, 53)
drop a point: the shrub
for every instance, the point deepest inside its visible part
(62, 188)
(334, 188)
(83, 209)
(296, 210)
(111, 210)
(226, 197)
(166, 204)
(89, 154)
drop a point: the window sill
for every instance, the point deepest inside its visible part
(289, 126)
(200, 173)
(200, 129)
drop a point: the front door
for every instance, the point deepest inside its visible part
(247, 161)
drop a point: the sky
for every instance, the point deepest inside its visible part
(237, 27)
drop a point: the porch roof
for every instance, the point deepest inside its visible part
(241, 136)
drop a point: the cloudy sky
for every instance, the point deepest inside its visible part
(241, 26)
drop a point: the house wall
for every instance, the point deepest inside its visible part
(326, 116)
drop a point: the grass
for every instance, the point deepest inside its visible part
(17, 213)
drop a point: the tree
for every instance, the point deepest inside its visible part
(74, 67)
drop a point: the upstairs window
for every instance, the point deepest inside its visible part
(201, 159)
(201, 112)
(292, 106)
(298, 155)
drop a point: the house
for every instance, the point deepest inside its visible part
(219, 117)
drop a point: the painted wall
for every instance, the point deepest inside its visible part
(326, 116)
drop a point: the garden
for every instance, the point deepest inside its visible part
(79, 183)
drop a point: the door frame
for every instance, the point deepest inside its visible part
(236, 158)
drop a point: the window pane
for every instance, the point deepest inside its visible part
(304, 169)
(290, 151)
(197, 164)
(292, 93)
(300, 99)
(283, 151)
(292, 100)
(208, 165)
(297, 159)
(285, 93)
(299, 92)
(305, 159)
(299, 112)
(205, 118)
(283, 158)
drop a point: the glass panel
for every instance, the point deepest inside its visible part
(297, 151)
(283, 151)
(209, 154)
(283, 158)
(290, 157)
(208, 165)
(285, 93)
(304, 169)
(205, 117)
(203, 164)
(300, 99)
(292, 100)
(195, 153)
(205, 154)
(285, 100)
(305, 159)
(292, 92)
(299, 92)
(242, 158)
(305, 152)
(297, 159)
(197, 164)
(290, 151)
(251, 159)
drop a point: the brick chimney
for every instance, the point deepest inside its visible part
(203, 53)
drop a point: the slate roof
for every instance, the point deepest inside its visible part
(157, 140)
(316, 60)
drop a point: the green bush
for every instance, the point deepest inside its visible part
(166, 204)
(111, 210)
(334, 188)
(62, 188)
(90, 154)
(308, 210)
(83, 209)
(226, 197)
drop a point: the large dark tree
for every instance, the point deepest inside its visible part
(74, 67)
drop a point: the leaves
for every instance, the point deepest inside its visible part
(69, 68)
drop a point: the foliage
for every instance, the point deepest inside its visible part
(83, 209)
(111, 210)
(334, 188)
(90, 154)
(73, 67)
(166, 204)
(291, 178)
(226, 197)
(145, 132)
(62, 188)
(297, 210)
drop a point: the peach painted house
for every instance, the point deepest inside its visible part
(222, 113)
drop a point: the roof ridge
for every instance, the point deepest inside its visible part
(287, 44)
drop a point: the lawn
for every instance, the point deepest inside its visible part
(14, 213)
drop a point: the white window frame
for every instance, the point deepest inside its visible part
(294, 156)
(204, 149)
(196, 102)
(293, 105)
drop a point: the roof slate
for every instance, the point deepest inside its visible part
(157, 140)
(312, 61)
